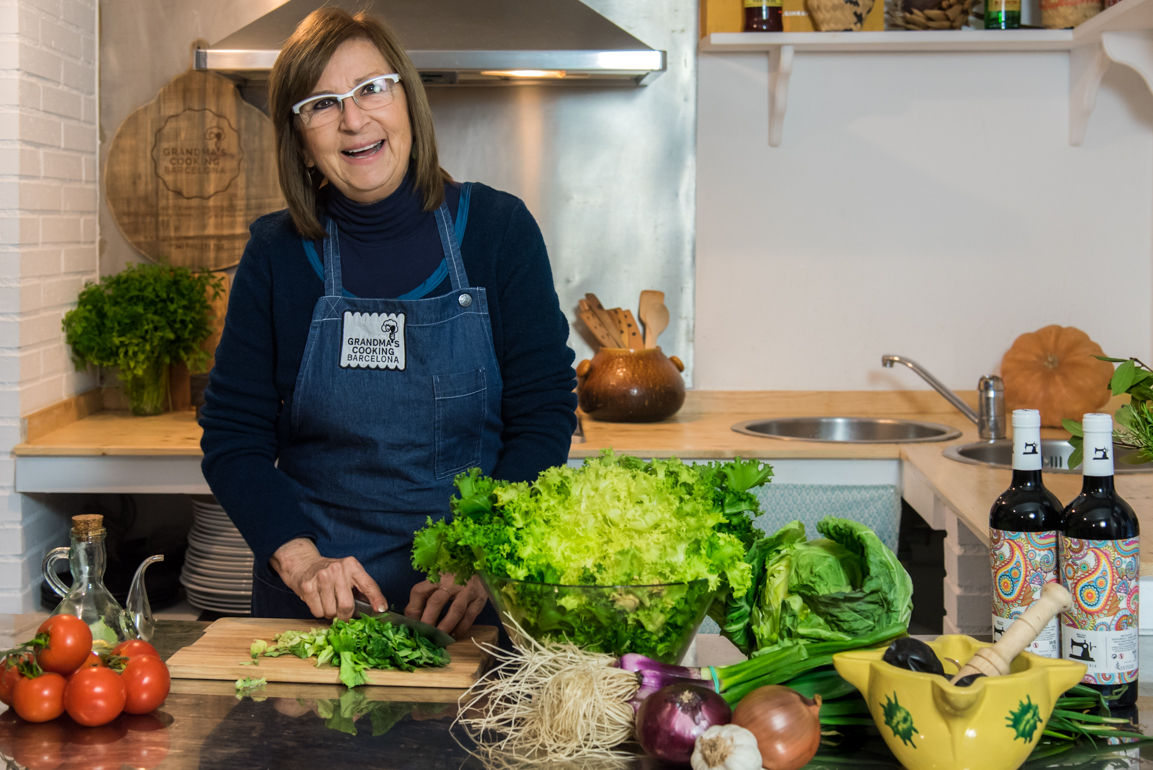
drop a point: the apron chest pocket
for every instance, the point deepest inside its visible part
(460, 419)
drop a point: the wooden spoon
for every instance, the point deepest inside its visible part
(653, 314)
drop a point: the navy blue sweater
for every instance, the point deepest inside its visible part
(245, 414)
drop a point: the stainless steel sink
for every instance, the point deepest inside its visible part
(1054, 456)
(850, 430)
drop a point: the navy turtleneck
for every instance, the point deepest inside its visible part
(389, 247)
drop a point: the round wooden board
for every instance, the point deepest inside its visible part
(189, 171)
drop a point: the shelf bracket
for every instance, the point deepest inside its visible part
(780, 69)
(1087, 65)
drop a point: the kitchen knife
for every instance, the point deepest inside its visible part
(428, 631)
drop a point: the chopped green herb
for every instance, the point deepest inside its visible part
(357, 645)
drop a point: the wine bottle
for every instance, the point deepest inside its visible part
(1099, 555)
(1023, 525)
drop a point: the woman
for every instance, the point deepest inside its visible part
(388, 331)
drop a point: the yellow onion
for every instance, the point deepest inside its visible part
(785, 723)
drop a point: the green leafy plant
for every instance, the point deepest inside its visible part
(1133, 422)
(141, 320)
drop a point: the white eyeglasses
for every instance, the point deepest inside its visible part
(373, 94)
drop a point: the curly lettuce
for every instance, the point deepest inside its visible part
(615, 520)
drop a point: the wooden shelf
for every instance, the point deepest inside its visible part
(1122, 33)
(962, 40)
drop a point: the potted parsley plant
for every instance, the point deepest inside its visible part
(141, 320)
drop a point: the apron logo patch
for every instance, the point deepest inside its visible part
(372, 341)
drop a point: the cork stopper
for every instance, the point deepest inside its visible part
(88, 525)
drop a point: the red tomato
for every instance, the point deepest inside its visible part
(92, 661)
(69, 640)
(39, 699)
(9, 676)
(130, 648)
(147, 681)
(94, 696)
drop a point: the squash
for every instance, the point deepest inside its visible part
(1054, 370)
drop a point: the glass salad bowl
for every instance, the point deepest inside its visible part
(658, 621)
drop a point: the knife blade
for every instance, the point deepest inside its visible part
(427, 630)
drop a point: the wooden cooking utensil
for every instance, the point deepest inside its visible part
(591, 320)
(606, 319)
(653, 314)
(629, 328)
(995, 660)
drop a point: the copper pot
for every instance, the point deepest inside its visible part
(630, 385)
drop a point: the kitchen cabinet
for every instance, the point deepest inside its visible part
(1121, 34)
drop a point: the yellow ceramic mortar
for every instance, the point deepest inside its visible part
(929, 724)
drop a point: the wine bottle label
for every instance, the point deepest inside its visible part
(1023, 562)
(1100, 629)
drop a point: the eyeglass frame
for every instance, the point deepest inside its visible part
(393, 78)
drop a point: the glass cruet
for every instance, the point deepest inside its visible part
(88, 598)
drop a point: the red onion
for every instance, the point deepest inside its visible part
(670, 720)
(653, 675)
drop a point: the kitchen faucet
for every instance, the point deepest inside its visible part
(990, 393)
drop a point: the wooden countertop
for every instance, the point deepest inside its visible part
(701, 429)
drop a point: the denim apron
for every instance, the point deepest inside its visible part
(394, 398)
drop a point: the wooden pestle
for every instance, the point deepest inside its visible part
(995, 660)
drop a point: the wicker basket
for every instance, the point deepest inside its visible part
(1063, 14)
(928, 14)
(838, 15)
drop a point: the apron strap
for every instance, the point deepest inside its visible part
(332, 281)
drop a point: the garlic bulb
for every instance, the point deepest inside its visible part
(726, 747)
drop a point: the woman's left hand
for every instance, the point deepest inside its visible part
(459, 604)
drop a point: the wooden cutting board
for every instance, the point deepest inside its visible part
(222, 653)
(189, 171)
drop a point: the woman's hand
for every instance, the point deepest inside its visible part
(325, 585)
(428, 600)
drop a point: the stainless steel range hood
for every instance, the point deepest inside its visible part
(466, 42)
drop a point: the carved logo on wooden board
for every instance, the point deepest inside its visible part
(189, 171)
(197, 153)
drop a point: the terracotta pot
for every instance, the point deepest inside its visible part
(630, 385)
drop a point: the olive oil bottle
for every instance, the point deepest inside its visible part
(1023, 526)
(1099, 549)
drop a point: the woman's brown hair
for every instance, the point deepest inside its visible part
(298, 68)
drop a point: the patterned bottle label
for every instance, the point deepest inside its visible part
(1023, 562)
(1100, 629)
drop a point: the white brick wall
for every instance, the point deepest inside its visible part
(48, 245)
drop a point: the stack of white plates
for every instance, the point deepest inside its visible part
(217, 574)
